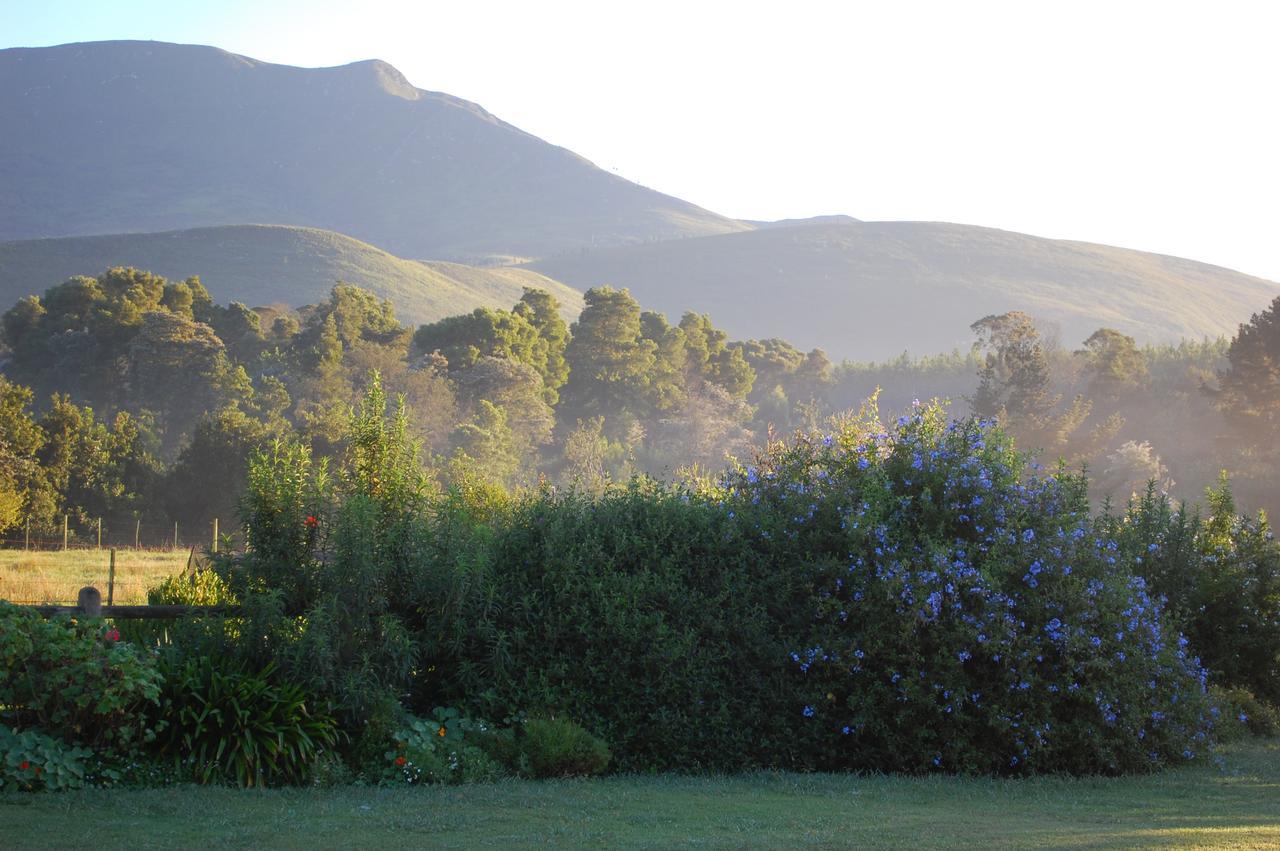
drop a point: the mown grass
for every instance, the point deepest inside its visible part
(1236, 804)
(56, 577)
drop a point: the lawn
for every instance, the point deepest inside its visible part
(1235, 804)
(57, 576)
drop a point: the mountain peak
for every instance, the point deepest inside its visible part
(147, 136)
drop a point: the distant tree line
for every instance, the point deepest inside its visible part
(130, 396)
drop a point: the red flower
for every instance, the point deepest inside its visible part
(311, 521)
(112, 635)
(25, 765)
(400, 760)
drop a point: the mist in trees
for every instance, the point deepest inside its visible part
(129, 396)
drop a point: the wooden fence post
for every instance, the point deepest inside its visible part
(90, 600)
(64, 531)
(175, 534)
(215, 534)
(111, 578)
(137, 533)
(26, 540)
(99, 533)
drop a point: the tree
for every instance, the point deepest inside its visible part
(541, 310)
(1013, 386)
(1251, 384)
(610, 361)
(1015, 375)
(712, 360)
(488, 442)
(1113, 362)
(23, 487)
(514, 387)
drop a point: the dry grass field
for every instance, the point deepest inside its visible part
(56, 577)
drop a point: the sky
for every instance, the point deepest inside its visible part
(1150, 125)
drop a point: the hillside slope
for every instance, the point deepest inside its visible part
(108, 137)
(874, 289)
(258, 264)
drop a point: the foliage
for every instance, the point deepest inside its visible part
(549, 747)
(325, 558)
(439, 749)
(1241, 712)
(31, 761)
(224, 723)
(1221, 577)
(966, 615)
(74, 678)
(647, 614)
(1251, 383)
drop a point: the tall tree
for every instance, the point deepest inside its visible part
(1251, 382)
(610, 361)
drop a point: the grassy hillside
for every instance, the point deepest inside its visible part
(265, 264)
(870, 290)
(105, 137)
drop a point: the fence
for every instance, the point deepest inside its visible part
(89, 602)
(125, 533)
(53, 577)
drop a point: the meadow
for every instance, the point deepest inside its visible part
(1231, 804)
(56, 576)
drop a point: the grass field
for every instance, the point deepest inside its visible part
(1236, 805)
(56, 577)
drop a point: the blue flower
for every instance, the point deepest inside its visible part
(808, 712)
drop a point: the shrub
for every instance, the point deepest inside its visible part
(31, 761)
(1242, 713)
(227, 724)
(439, 749)
(73, 679)
(1221, 577)
(966, 616)
(325, 559)
(549, 747)
(647, 614)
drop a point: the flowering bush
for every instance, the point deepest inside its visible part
(967, 616)
(73, 678)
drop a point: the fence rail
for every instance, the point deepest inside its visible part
(138, 612)
(89, 604)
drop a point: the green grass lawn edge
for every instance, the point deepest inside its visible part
(1234, 802)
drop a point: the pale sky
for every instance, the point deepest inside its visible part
(1150, 125)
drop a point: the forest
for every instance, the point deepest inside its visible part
(138, 401)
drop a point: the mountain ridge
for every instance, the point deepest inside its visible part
(265, 264)
(132, 136)
(879, 288)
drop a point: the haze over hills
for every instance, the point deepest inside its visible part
(132, 136)
(258, 265)
(870, 290)
(140, 137)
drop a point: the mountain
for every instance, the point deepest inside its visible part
(108, 137)
(871, 290)
(258, 264)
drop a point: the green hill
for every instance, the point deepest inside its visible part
(259, 264)
(865, 290)
(109, 137)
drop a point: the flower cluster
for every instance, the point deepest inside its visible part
(969, 614)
